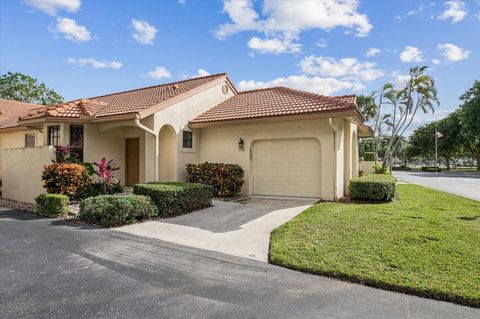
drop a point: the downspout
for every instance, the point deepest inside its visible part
(334, 130)
(155, 139)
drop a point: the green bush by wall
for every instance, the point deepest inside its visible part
(373, 187)
(226, 179)
(172, 199)
(116, 210)
(52, 204)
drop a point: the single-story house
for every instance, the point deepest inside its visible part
(289, 142)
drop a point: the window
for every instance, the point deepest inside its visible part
(29, 140)
(76, 140)
(187, 139)
(53, 135)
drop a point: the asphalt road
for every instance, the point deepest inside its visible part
(466, 185)
(54, 269)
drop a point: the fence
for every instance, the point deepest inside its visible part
(22, 171)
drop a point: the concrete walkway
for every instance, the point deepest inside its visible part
(466, 185)
(239, 228)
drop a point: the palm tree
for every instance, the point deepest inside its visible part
(419, 93)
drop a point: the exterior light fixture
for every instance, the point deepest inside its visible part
(241, 145)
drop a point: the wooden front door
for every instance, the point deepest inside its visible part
(132, 161)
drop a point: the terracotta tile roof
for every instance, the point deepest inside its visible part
(10, 111)
(274, 102)
(126, 102)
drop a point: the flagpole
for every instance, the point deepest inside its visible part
(436, 150)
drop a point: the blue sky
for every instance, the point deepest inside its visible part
(85, 48)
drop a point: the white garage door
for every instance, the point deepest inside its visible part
(287, 167)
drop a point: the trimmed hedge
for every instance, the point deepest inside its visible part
(226, 179)
(369, 156)
(111, 210)
(174, 199)
(52, 204)
(65, 178)
(431, 169)
(373, 187)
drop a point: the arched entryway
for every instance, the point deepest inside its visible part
(167, 159)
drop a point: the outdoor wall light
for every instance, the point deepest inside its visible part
(241, 144)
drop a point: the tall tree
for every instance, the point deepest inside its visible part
(469, 115)
(418, 94)
(422, 140)
(367, 106)
(20, 87)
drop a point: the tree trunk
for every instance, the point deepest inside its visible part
(447, 159)
(478, 162)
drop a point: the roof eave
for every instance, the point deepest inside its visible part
(289, 117)
(165, 104)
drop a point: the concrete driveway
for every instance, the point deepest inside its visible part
(55, 269)
(466, 185)
(240, 228)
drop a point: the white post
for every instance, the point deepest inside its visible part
(436, 151)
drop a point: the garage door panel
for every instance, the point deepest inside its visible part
(289, 167)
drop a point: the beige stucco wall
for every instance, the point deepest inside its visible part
(220, 144)
(22, 171)
(16, 139)
(350, 153)
(367, 167)
(178, 116)
(109, 141)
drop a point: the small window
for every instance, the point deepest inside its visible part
(29, 140)
(187, 139)
(53, 135)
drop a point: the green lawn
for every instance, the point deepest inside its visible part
(426, 242)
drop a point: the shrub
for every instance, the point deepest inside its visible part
(105, 172)
(65, 178)
(174, 199)
(369, 156)
(378, 169)
(431, 169)
(373, 187)
(226, 179)
(113, 210)
(98, 188)
(401, 168)
(52, 204)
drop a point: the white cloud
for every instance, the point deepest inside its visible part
(322, 43)
(72, 31)
(436, 61)
(243, 17)
(202, 72)
(315, 84)
(275, 45)
(372, 52)
(346, 68)
(159, 72)
(51, 7)
(452, 52)
(411, 54)
(413, 12)
(399, 79)
(144, 33)
(182, 1)
(456, 11)
(96, 64)
(285, 20)
(313, 14)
